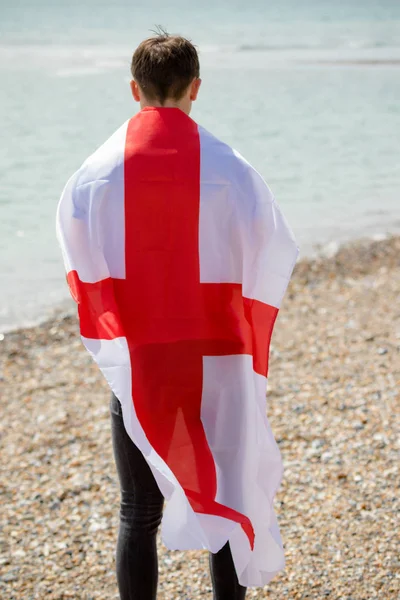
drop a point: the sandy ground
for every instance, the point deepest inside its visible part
(333, 403)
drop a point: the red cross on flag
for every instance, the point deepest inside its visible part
(178, 257)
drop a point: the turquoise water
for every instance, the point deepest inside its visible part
(307, 91)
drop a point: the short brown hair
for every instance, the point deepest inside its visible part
(164, 66)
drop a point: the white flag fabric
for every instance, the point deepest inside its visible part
(178, 257)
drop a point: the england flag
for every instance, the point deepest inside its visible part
(178, 257)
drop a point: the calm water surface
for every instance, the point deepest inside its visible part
(306, 91)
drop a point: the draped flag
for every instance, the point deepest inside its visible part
(178, 258)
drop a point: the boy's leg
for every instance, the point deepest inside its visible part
(140, 515)
(223, 576)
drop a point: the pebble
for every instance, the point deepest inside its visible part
(333, 405)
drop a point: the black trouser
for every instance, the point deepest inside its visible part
(140, 516)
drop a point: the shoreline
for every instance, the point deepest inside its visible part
(332, 253)
(333, 403)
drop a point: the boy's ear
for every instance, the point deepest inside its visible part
(195, 88)
(135, 90)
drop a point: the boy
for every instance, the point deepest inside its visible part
(178, 258)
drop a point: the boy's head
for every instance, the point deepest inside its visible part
(166, 72)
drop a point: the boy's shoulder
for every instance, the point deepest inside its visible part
(105, 163)
(220, 163)
(213, 147)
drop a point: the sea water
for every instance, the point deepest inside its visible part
(308, 91)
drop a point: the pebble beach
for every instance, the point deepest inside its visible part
(333, 404)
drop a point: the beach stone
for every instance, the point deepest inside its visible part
(333, 404)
